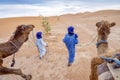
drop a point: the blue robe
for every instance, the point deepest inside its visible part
(70, 42)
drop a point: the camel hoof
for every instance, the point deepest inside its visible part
(29, 77)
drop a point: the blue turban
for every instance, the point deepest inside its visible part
(70, 30)
(39, 35)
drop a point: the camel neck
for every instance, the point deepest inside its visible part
(101, 38)
(14, 45)
(11, 48)
(20, 40)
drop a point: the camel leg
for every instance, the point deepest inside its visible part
(95, 61)
(4, 70)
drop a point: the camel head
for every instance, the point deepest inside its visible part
(23, 30)
(103, 28)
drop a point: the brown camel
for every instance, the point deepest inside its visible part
(103, 29)
(100, 69)
(12, 46)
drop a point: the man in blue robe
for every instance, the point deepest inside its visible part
(40, 44)
(70, 40)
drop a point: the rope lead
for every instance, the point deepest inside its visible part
(87, 44)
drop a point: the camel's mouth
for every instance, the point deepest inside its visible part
(31, 27)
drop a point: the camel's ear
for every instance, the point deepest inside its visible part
(22, 27)
(112, 24)
(98, 24)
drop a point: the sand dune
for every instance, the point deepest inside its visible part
(54, 66)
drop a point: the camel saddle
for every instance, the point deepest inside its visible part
(114, 72)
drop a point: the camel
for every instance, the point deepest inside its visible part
(100, 70)
(12, 46)
(103, 29)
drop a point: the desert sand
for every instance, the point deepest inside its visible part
(54, 65)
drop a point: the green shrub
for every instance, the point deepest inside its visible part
(46, 24)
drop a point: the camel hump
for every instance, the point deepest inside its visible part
(115, 72)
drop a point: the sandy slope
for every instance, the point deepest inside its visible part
(54, 66)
